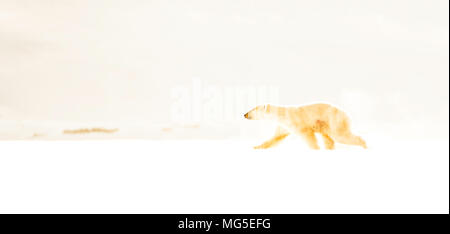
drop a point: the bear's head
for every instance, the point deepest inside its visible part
(259, 112)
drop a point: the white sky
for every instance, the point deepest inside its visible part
(383, 61)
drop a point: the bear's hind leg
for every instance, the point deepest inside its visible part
(342, 134)
(351, 139)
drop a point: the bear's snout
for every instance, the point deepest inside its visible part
(246, 115)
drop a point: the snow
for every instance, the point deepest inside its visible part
(223, 176)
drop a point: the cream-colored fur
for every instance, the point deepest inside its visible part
(332, 123)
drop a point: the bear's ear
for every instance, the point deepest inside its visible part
(266, 107)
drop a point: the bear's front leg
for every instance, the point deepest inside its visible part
(280, 134)
(310, 138)
(329, 143)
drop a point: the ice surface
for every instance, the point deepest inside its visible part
(223, 176)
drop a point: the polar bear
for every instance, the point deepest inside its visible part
(332, 123)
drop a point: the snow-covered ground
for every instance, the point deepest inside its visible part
(201, 168)
(223, 176)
